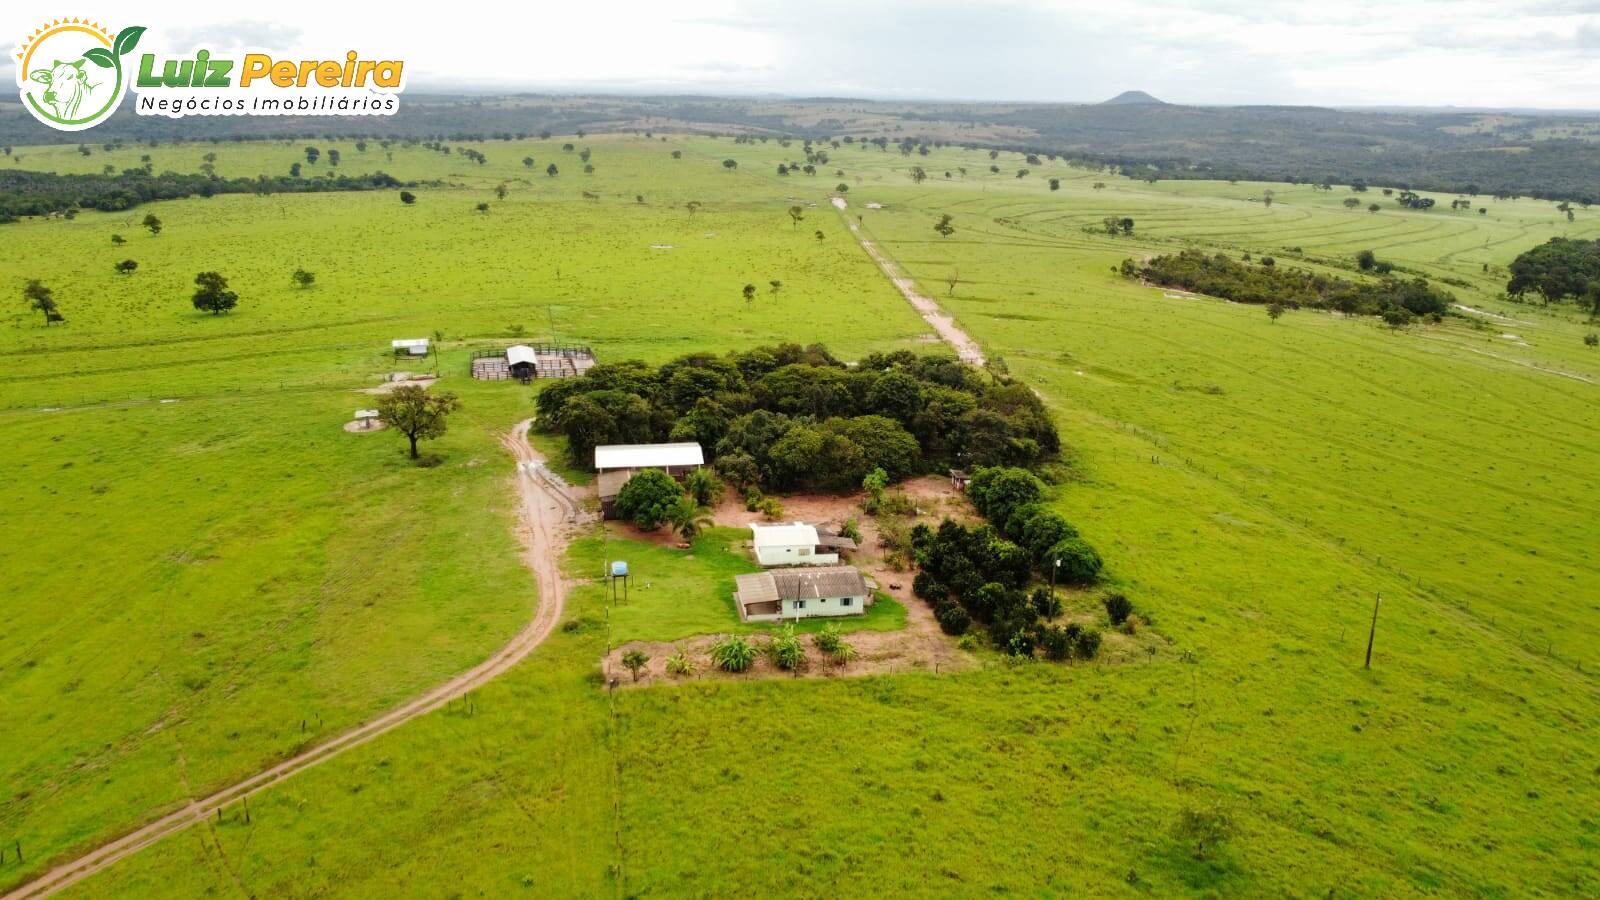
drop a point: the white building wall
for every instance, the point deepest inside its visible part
(795, 556)
(826, 606)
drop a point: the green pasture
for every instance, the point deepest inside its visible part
(194, 578)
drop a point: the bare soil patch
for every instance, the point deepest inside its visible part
(401, 379)
(358, 427)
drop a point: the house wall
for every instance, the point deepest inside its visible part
(826, 606)
(802, 555)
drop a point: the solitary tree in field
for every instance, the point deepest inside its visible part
(311, 155)
(118, 239)
(1099, 185)
(584, 154)
(819, 235)
(1366, 259)
(919, 174)
(634, 660)
(417, 414)
(42, 299)
(953, 279)
(1055, 184)
(126, 267)
(152, 224)
(361, 146)
(333, 157)
(943, 226)
(304, 279)
(483, 208)
(1275, 312)
(730, 164)
(693, 206)
(294, 171)
(551, 170)
(500, 192)
(749, 292)
(775, 286)
(797, 214)
(527, 162)
(407, 197)
(1373, 207)
(212, 294)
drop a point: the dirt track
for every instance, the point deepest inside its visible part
(966, 348)
(545, 510)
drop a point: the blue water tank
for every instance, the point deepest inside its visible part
(619, 569)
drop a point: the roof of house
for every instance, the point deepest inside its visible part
(408, 342)
(520, 353)
(645, 456)
(808, 583)
(795, 534)
(835, 541)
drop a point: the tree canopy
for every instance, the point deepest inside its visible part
(793, 417)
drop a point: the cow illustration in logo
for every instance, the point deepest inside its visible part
(58, 84)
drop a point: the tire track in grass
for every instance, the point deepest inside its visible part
(544, 509)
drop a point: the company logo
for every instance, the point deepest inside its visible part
(73, 74)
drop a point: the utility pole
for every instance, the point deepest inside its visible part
(1053, 570)
(1378, 601)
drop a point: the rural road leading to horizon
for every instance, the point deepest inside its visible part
(544, 511)
(966, 348)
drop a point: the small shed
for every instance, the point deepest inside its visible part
(522, 361)
(410, 347)
(366, 417)
(678, 459)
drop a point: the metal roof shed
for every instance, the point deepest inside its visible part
(648, 456)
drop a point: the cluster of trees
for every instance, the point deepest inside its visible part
(1220, 275)
(1557, 269)
(982, 573)
(652, 498)
(25, 193)
(793, 417)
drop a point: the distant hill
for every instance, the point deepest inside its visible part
(1130, 98)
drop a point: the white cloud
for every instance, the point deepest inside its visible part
(1429, 52)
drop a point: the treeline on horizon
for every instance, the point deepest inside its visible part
(24, 193)
(790, 417)
(1266, 283)
(1308, 145)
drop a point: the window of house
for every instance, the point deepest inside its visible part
(847, 601)
(799, 604)
(805, 551)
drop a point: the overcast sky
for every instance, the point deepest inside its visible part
(1533, 53)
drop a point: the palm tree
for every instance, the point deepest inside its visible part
(687, 519)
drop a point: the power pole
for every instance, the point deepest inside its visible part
(1378, 601)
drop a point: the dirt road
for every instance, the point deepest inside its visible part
(966, 348)
(544, 512)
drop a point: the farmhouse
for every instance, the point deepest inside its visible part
(617, 463)
(797, 544)
(780, 594)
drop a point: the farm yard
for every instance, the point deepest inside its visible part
(206, 576)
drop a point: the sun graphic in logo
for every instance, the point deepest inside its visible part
(70, 72)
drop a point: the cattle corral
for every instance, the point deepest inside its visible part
(525, 362)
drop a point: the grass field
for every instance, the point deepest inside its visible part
(196, 576)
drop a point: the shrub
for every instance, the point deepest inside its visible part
(1055, 642)
(851, 530)
(1020, 643)
(752, 500)
(1045, 603)
(634, 660)
(733, 654)
(1118, 607)
(997, 491)
(770, 508)
(1080, 564)
(648, 499)
(704, 486)
(679, 663)
(928, 588)
(786, 650)
(1088, 644)
(1202, 828)
(1591, 340)
(829, 642)
(953, 619)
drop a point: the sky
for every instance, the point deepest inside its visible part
(1507, 53)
